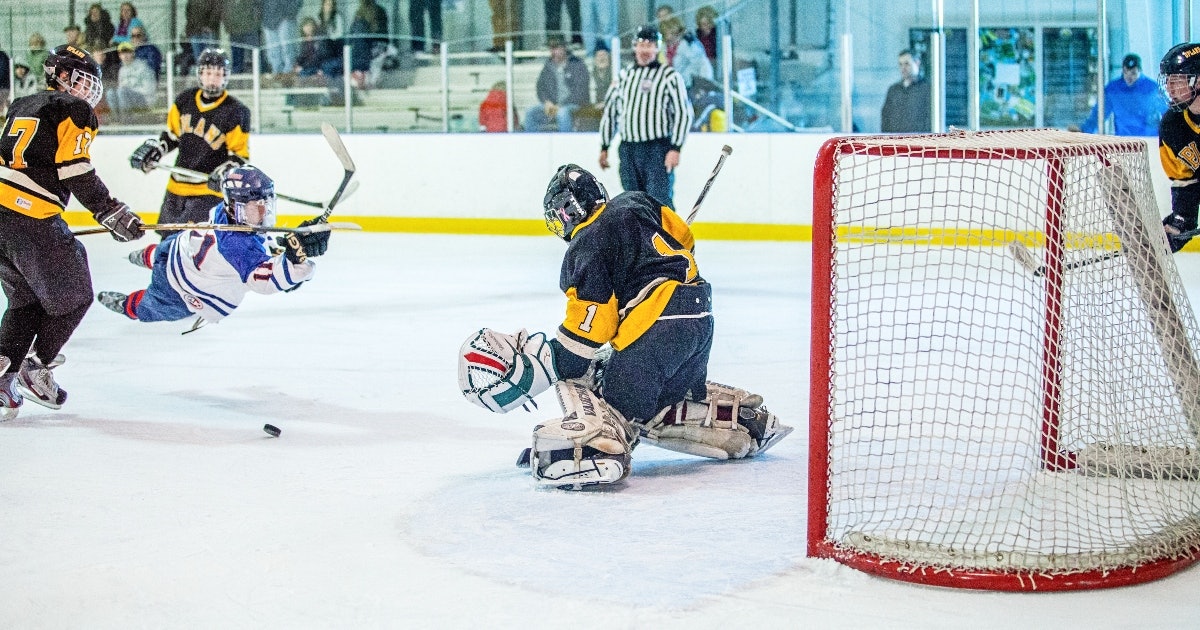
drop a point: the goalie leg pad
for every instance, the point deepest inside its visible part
(589, 445)
(730, 424)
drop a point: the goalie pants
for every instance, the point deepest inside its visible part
(667, 363)
(180, 209)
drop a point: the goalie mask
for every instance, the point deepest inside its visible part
(74, 71)
(249, 197)
(1177, 75)
(571, 198)
(212, 71)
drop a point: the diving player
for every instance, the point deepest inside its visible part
(209, 272)
(1179, 73)
(211, 129)
(44, 159)
(631, 281)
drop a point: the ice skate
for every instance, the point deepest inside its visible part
(10, 398)
(35, 382)
(114, 301)
(143, 257)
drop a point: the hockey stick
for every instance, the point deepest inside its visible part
(1026, 259)
(224, 227)
(726, 151)
(197, 175)
(343, 156)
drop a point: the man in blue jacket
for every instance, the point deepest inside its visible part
(562, 88)
(1133, 102)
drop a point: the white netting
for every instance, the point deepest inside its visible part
(985, 416)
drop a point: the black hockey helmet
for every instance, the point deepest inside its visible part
(1182, 62)
(74, 71)
(249, 196)
(572, 196)
(213, 58)
(648, 33)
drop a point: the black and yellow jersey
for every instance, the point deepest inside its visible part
(621, 268)
(45, 155)
(207, 134)
(1177, 136)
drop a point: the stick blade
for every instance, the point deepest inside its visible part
(339, 148)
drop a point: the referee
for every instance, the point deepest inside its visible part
(650, 109)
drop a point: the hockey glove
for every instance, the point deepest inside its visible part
(124, 225)
(146, 157)
(1179, 230)
(218, 175)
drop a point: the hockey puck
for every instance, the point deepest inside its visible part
(272, 430)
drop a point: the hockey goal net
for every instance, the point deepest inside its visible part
(1005, 393)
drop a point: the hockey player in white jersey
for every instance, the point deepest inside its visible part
(208, 272)
(633, 285)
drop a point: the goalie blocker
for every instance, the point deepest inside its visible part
(591, 443)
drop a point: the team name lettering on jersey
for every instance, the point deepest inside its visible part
(1190, 155)
(209, 133)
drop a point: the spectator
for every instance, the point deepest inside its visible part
(599, 23)
(136, 85)
(684, 52)
(329, 21)
(554, 9)
(706, 32)
(201, 28)
(314, 51)
(506, 23)
(649, 106)
(416, 21)
(5, 88)
(279, 33)
(127, 20)
(906, 108)
(663, 12)
(1133, 101)
(242, 20)
(602, 72)
(562, 88)
(367, 30)
(491, 110)
(146, 51)
(36, 57)
(73, 36)
(27, 81)
(98, 29)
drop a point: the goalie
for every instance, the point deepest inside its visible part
(632, 284)
(208, 272)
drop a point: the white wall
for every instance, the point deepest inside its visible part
(767, 180)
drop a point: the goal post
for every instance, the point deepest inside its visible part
(1004, 388)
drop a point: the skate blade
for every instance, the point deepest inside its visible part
(780, 433)
(30, 396)
(8, 413)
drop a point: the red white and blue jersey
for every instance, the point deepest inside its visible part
(212, 270)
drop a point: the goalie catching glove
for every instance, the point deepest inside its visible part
(147, 156)
(501, 372)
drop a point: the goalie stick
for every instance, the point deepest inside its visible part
(726, 151)
(223, 227)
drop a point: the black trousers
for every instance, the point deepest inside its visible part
(643, 167)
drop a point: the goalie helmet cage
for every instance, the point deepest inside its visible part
(1004, 393)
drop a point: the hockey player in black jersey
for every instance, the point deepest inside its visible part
(1178, 132)
(632, 284)
(211, 129)
(44, 159)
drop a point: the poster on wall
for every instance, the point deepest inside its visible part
(1008, 90)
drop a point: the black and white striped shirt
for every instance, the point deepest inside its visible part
(647, 103)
